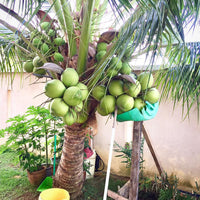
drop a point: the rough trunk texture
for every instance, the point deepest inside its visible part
(69, 174)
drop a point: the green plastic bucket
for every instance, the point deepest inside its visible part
(54, 194)
(147, 113)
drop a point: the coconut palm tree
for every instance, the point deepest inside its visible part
(151, 28)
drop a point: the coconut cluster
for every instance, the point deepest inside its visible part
(125, 94)
(116, 65)
(47, 42)
(67, 97)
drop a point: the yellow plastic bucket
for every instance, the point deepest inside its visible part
(54, 194)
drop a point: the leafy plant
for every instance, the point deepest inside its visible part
(30, 135)
(86, 164)
(126, 151)
(86, 167)
(167, 187)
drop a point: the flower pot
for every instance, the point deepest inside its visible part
(36, 177)
(49, 170)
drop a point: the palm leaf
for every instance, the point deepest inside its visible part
(85, 36)
(180, 80)
(68, 20)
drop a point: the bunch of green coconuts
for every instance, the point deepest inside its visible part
(121, 92)
(47, 42)
(67, 97)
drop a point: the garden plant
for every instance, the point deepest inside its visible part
(73, 56)
(30, 135)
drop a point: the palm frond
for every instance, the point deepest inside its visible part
(180, 80)
(98, 14)
(69, 27)
(58, 10)
(24, 6)
(10, 61)
(16, 16)
(85, 36)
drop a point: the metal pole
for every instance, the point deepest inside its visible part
(110, 157)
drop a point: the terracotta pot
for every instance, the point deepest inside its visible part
(36, 177)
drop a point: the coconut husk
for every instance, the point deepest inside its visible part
(44, 17)
(108, 36)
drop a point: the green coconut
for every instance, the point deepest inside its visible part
(28, 66)
(152, 95)
(39, 72)
(99, 92)
(44, 48)
(70, 117)
(116, 63)
(132, 89)
(100, 55)
(119, 111)
(115, 87)
(146, 80)
(82, 117)
(54, 88)
(58, 107)
(37, 62)
(125, 102)
(84, 90)
(72, 96)
(78, 107)
(37, 42)
(101, 111)
(59, 41)
(102, 46)
(139, 103)
(45, 25)
(111, 73)
(107, 104)
(70, 77)
(126, 69)
(51, 33)
(58, 57)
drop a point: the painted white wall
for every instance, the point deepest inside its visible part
(176, 143)
(17, 98)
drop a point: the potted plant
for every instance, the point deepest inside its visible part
(35, 170)
(25, 141)
(47, 126)
(30, 135)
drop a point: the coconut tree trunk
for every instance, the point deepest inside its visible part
(69, 174)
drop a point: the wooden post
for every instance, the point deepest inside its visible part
(135, 163)
(115, 196)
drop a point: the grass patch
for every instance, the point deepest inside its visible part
(13, 180)
(14, 184)
(94, 188)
